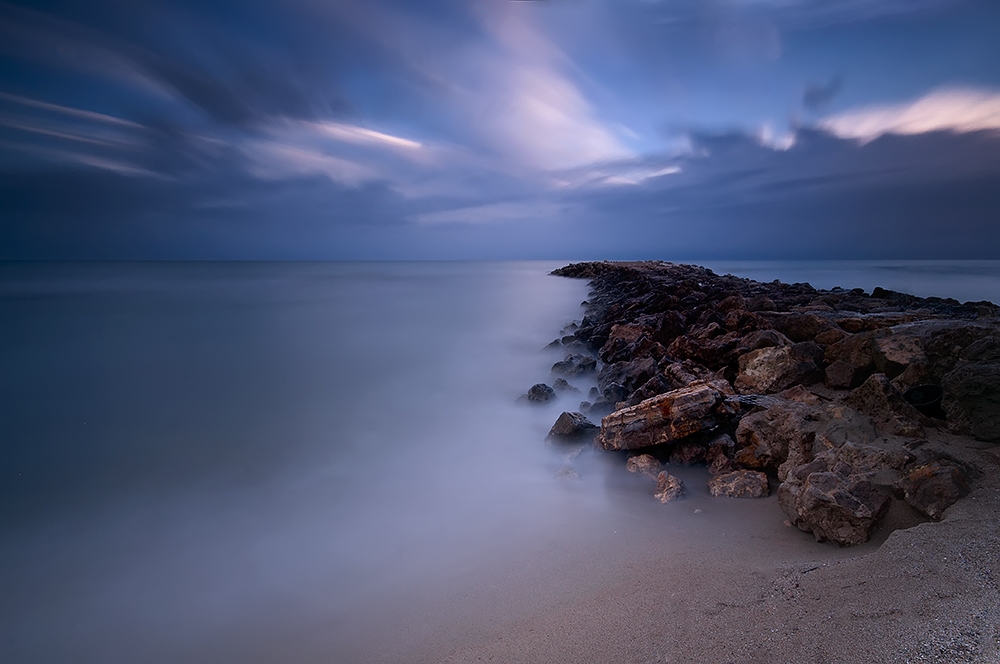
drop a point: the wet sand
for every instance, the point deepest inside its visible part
(713, 580)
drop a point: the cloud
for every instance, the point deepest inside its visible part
(493, 213)
(818, 97)
(956, 110)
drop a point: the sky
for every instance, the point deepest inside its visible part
(499, 129)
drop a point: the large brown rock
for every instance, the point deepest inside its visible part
(739, 484)
(774, 369)
(894, 353)
(884, 404)
(934, 487)
(842, 493)
(669, 417)
(972, 390)
(852, 360)
(788, 433)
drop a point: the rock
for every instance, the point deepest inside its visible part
(934, 487)
(669, 417)
(668, 487)
(731, 303)
(893, 354)
(802, 326)
(831, 336)
(773, 369)
(687, 454)
(842, 493)
(739, 484)
(621, 337)
(575, 365)
(766, 339)
(540, 393)
(852, 360)
(800, 394)
(789, 433)
(972, 399)
(567, 473)
(658, 384)
(884, 404)
(561, 385)
(646, 464)
(713, 353)
(630, 376)
(571, 427)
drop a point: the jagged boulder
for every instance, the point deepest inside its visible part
(668, 487)
(972, 391)
(644, 464)
(884, 404)
(768, 370)
(842, 493)
(852, 360)
(669, 417)
(575, 364)
(739, 484)
(572, 427)
(627, 377)
(540, 393)
(934, 487)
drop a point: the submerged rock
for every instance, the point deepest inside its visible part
(669, 417)
(540, 393)
(645, 464)
(575, 365)
(668, 487)
(571, 427)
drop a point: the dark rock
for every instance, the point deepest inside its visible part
(894, 353)
(540, 393)
(562, 385)
(802, 326)
(972, 399)
(739, 484)
(668, 487)
(669, 417)
(687, 454)
(934, 487)
(832, 506)
(575, 365)
(572, 427)
(884, 404)
(630, 376)
(766, 339)
(645, 464)
(616, 349)
(851, 361)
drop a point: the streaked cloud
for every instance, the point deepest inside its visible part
(957, 110)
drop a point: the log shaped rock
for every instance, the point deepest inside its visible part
(669, 417)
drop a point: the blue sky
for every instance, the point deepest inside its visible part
(344, 129)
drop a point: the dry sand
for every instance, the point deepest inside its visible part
(720, 581)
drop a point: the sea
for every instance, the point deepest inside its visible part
(324, 462)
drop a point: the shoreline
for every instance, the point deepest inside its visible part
(925, 589)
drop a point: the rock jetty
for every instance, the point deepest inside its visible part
(839, 401)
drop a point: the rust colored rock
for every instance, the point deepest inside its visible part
(669, 417)
(769, 370)
(934, 487)
(769, 438)
(831, 336)
(739, 484)
(880, 400)
(668, 487)
(842, 493)
(645, 464)
(572, 427)
(720, 464)
(803, 326)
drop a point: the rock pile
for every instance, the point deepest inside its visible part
(782, 384)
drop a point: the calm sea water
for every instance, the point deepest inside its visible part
(299, 462)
